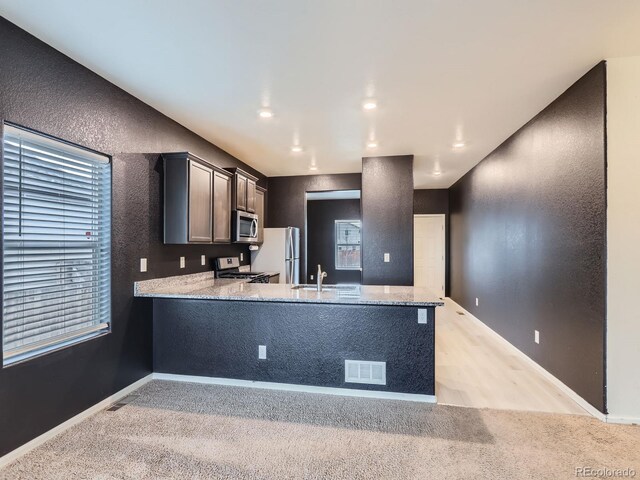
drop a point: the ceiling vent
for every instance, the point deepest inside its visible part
(373, 373)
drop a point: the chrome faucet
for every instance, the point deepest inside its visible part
(321, 276)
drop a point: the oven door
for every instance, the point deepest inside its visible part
(245, 227)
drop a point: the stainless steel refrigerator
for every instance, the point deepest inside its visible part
(279, 252)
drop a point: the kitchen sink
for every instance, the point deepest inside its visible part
(326, 287)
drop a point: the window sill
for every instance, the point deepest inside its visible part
(21, 358)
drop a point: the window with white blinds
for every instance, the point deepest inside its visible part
(348, 248)
(56, 244)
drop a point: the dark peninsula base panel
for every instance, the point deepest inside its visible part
(307, 344)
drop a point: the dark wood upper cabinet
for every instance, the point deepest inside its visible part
(251, 195)
(222, 207)
(260, 210)
(244, 191)
(240, 195)
(197, 200)
(200, 214)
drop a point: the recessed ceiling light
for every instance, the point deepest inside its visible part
(437, 173)
(370, 104)
(372, 144)
(458, 145)
(296, 148)
(313, 167)
(265, 113)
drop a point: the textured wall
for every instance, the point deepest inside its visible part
(321, 217)
(287, 201)
(387, 220)
(528, 238)
(432, 202)
(307, 344)
(42, 89)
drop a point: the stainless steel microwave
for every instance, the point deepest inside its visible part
(245, 227)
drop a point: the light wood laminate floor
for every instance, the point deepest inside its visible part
(475, 368)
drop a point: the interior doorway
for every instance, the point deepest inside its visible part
(333, 236)
(429, 253)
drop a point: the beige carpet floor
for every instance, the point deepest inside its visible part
(189, 431)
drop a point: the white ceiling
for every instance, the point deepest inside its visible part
(441, 70)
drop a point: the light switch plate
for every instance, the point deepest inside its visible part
(241, 257)
(203, 260)
(262, 352)
(143, 264)
(536, 336)
(422, 315)
(476, 301)
(387, 258)
(181, 262)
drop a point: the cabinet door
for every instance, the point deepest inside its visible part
(221, 208)
(260, 213)
(200, 202)
(241, 192)
(251, 196)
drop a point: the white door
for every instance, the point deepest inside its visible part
(428, 252)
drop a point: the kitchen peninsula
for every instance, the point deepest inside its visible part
(378, 338)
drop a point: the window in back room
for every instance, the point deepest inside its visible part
(347, 244)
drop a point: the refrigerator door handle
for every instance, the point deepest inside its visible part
(293, 249)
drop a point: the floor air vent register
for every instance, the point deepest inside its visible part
(125, 401)
(373, 373)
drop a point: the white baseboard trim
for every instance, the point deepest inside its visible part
(590, 409)
(289, 387)
(36, 442)
(623, 420)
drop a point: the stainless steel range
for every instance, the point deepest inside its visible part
(229, 267)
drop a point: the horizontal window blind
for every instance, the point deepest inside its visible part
(348, 249)
(56, 241)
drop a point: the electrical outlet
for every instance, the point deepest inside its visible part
(262, 352)
(203, 260)
(241, 257)
(476, 301)
(143, 264)
(181, 262)
(387, 258)
(311, 277)
(536, 336)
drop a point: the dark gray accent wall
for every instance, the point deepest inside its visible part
(287, 201)
(321, 218)
(435, 202)
(42, 89)
(387, 220)
(307, 343)
(431, 201)
(528, 227)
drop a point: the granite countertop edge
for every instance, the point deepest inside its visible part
(332, 300)
(203, 286)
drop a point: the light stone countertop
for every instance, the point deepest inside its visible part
(204, 286)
